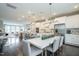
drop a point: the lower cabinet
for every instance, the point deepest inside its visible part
(72, 39)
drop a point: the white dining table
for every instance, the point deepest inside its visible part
(38, 42)
(42, 44)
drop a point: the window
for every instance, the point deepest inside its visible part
(17, 28)
(7, 29)
(13, 28)
(22, 28)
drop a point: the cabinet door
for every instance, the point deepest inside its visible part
(68, 38)
(72, 21)
(72, 39)
(77, 40)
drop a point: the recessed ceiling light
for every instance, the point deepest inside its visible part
(76, 6)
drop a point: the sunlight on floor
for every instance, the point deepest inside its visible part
(12, 41)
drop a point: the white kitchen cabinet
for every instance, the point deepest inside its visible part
(72, 21)
(72, 39)
(77, 39)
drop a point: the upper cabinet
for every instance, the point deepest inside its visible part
(60, 20)
(69, 21)
(72, 21)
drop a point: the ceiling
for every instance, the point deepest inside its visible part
(33, 11)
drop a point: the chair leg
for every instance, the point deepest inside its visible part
(61, 50)
(58, 52)
(1, 54)
(53, 53)
(42, 53)
(45, 52)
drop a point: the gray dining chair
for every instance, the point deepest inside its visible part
(61, 45)
(29, 50)
(61, 41)
(2, 45)
(55, 46)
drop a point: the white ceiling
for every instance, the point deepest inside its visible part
(33, 11)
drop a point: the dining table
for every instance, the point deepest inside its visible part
(42, 44)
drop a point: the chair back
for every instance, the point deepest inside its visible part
(61, 41)
(26, 48)
(56, 43)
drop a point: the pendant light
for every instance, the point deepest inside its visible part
(50, 11)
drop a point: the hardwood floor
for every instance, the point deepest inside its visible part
(70, 50)
(12, 50)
